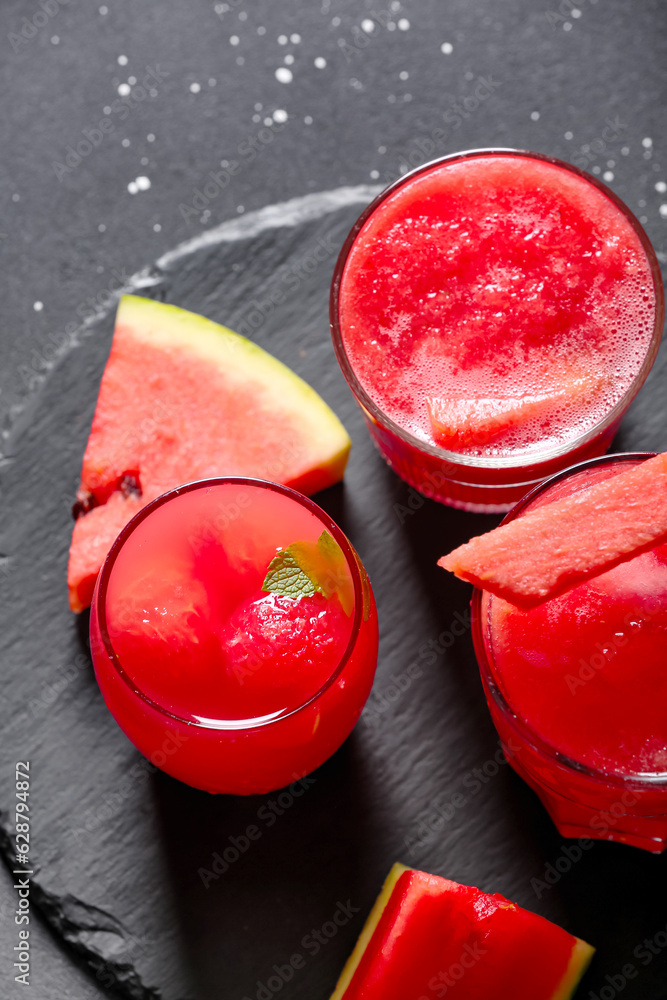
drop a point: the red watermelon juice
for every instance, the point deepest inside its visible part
(577, 687)
(494, 313)
(234, 634)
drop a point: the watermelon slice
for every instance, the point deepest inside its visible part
(465, 422)
(551, 548)
(429, 937)
(183, 398)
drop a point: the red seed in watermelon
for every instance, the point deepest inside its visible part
(552, 548)
(427, 936)
(183, 398)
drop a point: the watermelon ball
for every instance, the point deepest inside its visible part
(280, 650)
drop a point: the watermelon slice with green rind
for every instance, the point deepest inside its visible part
(181, 399)
(428, 936)
(551, 548)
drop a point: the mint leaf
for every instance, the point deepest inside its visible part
(285, 577)
(306, 567)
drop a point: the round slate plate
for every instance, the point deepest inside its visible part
(126, 859)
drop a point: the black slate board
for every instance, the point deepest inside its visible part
(119, 858)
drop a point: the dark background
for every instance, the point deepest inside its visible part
(371, 85)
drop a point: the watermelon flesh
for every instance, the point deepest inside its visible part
(471, 422)
(556, 546)
(430, 937)
(182, 399)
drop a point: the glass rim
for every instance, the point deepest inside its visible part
(532, 458)
(484, 658)
(228, 725)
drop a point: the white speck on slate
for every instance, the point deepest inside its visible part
(38, 306)
(567, 26)
(308, 120)
(320, 62)
(104, 10)
(608, 175)
(144, 161)
(125, 142)
(132, 80)
(368, 26)
(16, 197)
(150, 137)
(661, 187)
(647, 143)
(101, 228)
(124, 89)
(195, 88)
(240, 209)
(157, 227)
(106, 109)
(283, 39)
(55, 40)
(375, 174)
(280, 115)
(268, 121)
(663, 211)
(243, 16)
(625, 150)
(212, 81)
(256, 118)
(261, 30)
(234, 40)
(447, 48)
(284, 75)
(289, 59)
(122, 60)
(295, 38)
(535, 116)
(404, 75)
(403, 24)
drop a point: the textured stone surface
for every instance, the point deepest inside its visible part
(118, 848)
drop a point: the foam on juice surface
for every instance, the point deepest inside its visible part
(498, 277)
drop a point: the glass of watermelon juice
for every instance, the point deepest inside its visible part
(494, 313)
(577, 687)
(234, 634)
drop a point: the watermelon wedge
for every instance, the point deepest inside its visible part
(429, 937)
(465, 422)
(181, 399)
(552, 548)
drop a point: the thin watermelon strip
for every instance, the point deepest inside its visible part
(427, 936)
(552, 548)
(461, 422)
(183, 398)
